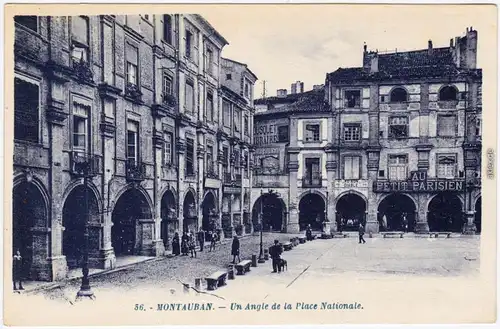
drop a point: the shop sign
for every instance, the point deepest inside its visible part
(350, 184)
(419, 186)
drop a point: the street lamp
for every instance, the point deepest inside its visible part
(261, 252)
(84, 167)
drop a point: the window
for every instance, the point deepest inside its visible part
(312, 174)
(167, 85)
(398, 127)
(226, 111)
(399, 95)
(79, 38)
(210, 107)
(245, 125)
(189, 44)
(312, 133)
(447, 125)
(210, 159)
(381, 173)
(351, 167)
(247, 89)
(189, 97)
(167, 29)
(225, 159)
(237, 158)
(448, 93)
(132, 142)
(228, 76)
(189, 157)
(447, 166)
(237, 121)
(352, 133)
(398, 165)
(478, 127)
(283, 134)
(209, 61)
(168, 148)
(352, 98)
(80, 127)
(31, 22)
(26, 115)
(132, 62)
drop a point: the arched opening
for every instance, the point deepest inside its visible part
(399, 95)
(312, 212)
(448, 93)
(28, 210)
(445, 213)
(209, 211)
(351, 210)
(168, 218)
(74, 217)
(130, 207)
(272, 209)
(477, 215)
(189, 213)
(396, 212)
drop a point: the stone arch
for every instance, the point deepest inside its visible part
(128, 187)
(397, 212)
(448, 93)
(79, 182)
(398, 94)
(189, 211)
(209, 210)
(273, 210)
(445, 212)
(312, 210)
(168, 214)
(350, 210)
(30, 211)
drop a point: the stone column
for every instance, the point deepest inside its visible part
(331, 167)
(48, 259)
(181, 151)
(158, 247)
(293, 214)
(422, 226)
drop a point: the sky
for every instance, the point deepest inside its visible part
(285, 43)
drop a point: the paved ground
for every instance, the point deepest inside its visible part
(322, 268)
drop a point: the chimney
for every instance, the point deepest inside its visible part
(429, 47)
(365, 47)
(451, 43)
(281, 92)
(374, 64)
(471, 49)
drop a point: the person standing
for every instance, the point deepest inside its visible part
(192, 244)
(275, 253)
(184, 244)
(235, 249)
(309, 233)
(17, 266)
(201, 239)
(213, 240)
(176, 248)
(361, 233)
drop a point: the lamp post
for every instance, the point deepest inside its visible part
(261, 252)
(85, 167)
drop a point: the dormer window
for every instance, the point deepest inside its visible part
(399, 95)
(352, 98)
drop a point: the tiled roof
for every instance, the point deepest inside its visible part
(411, 64)
(309, 101)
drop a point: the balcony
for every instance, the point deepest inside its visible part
(136, 171)
(83, 164)
(83, 72)
(314, 181)
(133, 93)
(238, 178)
(212, 173)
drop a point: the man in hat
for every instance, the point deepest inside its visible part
(17, 270)
(275, 252)
(361, 233)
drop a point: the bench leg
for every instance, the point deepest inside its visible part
(210, 285)
(240, 271)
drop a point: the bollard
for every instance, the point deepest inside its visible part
(197, 283)
(230, 272)
(254, 260)
(186, 288)
(266, 254)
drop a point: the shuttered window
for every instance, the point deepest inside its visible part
(189, 101)
(447, 166)
(80, 126)
(26, 107)
(132, 142)
(398, 167)
(132, 54)
(351, 167)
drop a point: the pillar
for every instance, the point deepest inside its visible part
(331, 167)
(422, 226)
(158, 247)
(292, 223)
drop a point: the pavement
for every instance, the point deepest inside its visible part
(326, 268)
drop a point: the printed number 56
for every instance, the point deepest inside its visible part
(139, 307)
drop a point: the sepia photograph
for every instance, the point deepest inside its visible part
(250, 164)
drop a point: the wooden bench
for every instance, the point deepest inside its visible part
(392, 234)
(339, 235)
(243, 267)
(302, 240)
(287, 246)
(438, 234)
(217, 279)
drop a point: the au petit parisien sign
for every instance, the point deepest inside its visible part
(418, 182)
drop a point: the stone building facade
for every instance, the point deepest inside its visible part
(120, 115)
(395, 143)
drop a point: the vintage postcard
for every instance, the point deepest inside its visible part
(250, 164)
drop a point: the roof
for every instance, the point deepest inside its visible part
(212, 29)
(243, 64)
(411, 64)
(309, 101)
